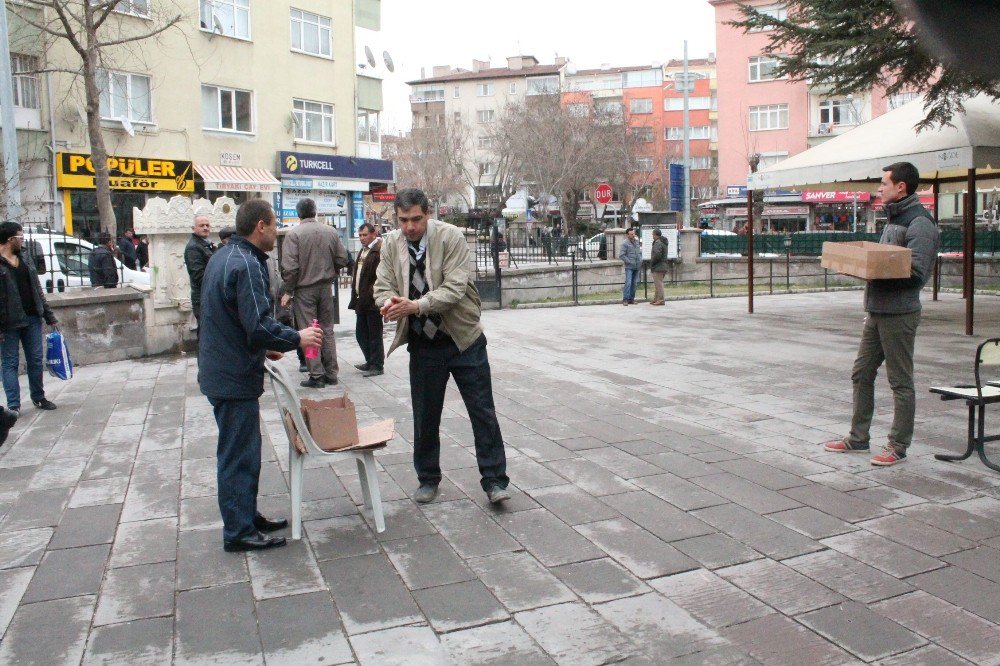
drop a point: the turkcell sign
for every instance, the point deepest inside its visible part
(334, 167)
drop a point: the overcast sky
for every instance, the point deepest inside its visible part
(424, 33)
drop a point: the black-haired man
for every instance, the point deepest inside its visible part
(102, 268)
(368, 329)
(893, 308)
(238, 332)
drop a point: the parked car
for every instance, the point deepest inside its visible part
(64, 261)
(592, 245)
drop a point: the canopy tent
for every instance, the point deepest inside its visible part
(964, 152)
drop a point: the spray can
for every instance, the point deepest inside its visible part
(312, 351)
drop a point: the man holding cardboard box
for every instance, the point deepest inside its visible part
(423, 284)
(893, 307)
(238, 331)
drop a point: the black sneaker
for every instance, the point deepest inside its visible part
(373, 372)
(45, 404)
(313, 383)
(362, 366)
(425, 493)
(8, 417)
(498, 494)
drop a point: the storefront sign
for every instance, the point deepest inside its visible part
(926, 200)
(386, 196)
(358, 210)
(324, 184)
(75, 171)
(229, 158)
(785, 211)
(335, 168)
(327, 203)
(836, 197)
(736, 190)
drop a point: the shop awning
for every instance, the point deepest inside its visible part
(237, 179)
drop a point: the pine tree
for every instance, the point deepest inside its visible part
(849, 47)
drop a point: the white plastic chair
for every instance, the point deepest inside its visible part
(288, 402)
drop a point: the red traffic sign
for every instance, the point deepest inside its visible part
(603, 193)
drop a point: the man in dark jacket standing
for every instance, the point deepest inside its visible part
(103, 272)
(196, 255)
(658, 265)
(893, 308)
(21, 315)
(238, 333)
(368, 329)
(126, 246)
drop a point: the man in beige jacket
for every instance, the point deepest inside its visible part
(311, 257)
(423, 284)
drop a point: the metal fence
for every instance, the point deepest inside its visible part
(519, 248)
(810, 243)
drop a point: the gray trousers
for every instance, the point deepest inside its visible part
(316, 302)
(886, 338)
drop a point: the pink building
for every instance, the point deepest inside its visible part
(775, 118)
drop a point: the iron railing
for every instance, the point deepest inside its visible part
(810, 243)
(63, 261)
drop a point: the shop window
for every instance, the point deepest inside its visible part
(125, 96)
(311, 33)
(24, 68)
(226, 17)
(226, 109)
(313, 121)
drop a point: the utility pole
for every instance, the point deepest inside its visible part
(11, 168)
(688, 85)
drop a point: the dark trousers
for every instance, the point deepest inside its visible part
(430, 368)
(238, 464)
(316, 302)
(368, 331)
(29, 337)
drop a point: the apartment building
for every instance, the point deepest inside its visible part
(475, 97)
(703, 119)
(243, 98)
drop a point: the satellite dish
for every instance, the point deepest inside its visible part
(217, 28)
(389, 65)
(370, 57)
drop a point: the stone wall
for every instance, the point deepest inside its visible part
(529, 285)
(102, 325)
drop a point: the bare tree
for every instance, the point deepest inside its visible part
(433, 158)
(94, 30)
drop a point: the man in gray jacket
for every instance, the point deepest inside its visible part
(631, 255)
(893, 308)
(311, 257)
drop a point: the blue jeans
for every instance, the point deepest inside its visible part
(631, 284)
(238, 464)
(30, 337)
(430, 368)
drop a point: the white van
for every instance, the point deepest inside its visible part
(64, 261)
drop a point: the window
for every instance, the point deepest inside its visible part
(762, 68)
(429, 94)
(487, 169)
(643, 78)
(457, 116)
(484, 142)
(642, 134)
(644, 164)
(770, 159)
(311, 33)
(609, 107)
(768, 117)
(367, 124)
(25, 80)
(484, 90)
(455, 93)
(900, 99)
(696, 132)
(837, 112)
(125, 96)
(226, 17)
(226, 109)
(512, 88)
(134, 7)
(578, 110)
(314, 122)
(644, 105)
(701, 163)
(694, 103)
(543, 85)
(777, 12)
(487, 116)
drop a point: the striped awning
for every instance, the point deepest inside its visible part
(237, 179)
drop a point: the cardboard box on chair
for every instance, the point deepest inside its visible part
(867, 260)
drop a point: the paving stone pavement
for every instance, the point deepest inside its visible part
(672, 503)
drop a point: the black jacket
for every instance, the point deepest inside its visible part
(196, 256)
(129, 255)
(363, 295)
(236, 326)
(103, 272)
(11, 311)
(142, 254)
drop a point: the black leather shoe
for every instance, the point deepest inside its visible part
(373, 372)
(313, 383)
(254, 541)
(45, 404)
(8, 417)
(362, 366)
(329, 382)
(265, 525)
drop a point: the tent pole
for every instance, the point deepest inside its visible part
(970, 251)
(936, 278)
(750, 224)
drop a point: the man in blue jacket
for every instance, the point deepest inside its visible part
(238, 332)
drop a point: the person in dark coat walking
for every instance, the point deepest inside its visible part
(23, 308)
(196, 255)
(239, 331)
(126, 246)
(368, 329)
(142, 253)
(103, 271)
